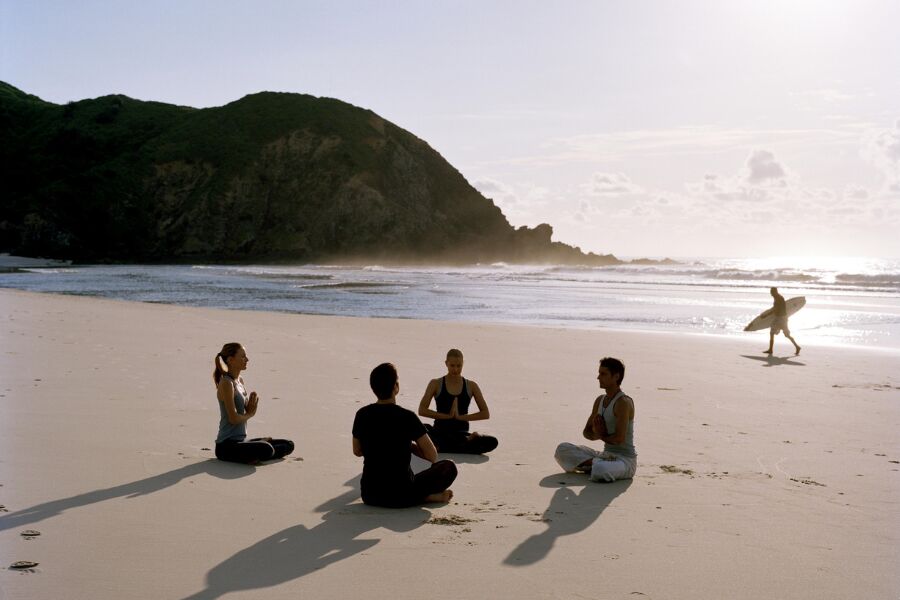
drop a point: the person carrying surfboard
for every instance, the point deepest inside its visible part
(779, 310)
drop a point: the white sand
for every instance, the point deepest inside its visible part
(791, 486)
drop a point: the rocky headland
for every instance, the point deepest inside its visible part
(272, 177)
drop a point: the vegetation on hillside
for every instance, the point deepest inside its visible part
(270, 177)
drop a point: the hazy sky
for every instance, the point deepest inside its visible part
(641, 128)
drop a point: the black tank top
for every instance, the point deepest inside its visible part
(444, 400)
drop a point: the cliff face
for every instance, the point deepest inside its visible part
(270, 177)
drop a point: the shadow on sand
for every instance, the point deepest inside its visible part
(569, 512)
(770, 360)
(466, 459)
(142, 487)
(298, 551)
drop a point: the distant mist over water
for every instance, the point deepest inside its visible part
(849, 301)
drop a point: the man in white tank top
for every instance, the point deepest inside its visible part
(612, 422)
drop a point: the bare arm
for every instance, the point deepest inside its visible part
(483, 412)
(624, 412)
(225, 394)
(357, 447)
(424, 448)
(425, 402)
(593, 422)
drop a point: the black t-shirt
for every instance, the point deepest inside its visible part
(385, 431)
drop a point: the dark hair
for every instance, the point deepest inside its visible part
(615, 366)
(382, 379)
(229, 349)
(454, 353)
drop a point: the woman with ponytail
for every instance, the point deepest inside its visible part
(236, 408)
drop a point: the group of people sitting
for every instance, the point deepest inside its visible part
(387, 435)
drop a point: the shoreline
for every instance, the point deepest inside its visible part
(747, 464)
(751, 337)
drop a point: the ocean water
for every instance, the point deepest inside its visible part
(849, 301)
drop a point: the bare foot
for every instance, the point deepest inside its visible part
(767, 352)
(798, 351)
(443, 497)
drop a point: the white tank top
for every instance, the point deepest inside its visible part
(626, 448)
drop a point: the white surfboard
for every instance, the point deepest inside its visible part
(764, 320)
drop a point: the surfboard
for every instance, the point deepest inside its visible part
(764, 320)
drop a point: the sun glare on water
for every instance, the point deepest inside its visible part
(822, 264)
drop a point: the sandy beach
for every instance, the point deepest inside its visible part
(758, 477)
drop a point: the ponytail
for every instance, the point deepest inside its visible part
(229, 349)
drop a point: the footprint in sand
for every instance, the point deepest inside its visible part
(450, 520)
(808, 481)
(30, 534)
(24, 565)
(460, 524)
(533, 516)
(674, 469)
(487, 507)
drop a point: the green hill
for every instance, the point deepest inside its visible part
(270, 177)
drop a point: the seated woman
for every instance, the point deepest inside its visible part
(236, 408)
(452, 395)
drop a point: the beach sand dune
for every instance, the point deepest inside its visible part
(758, 477)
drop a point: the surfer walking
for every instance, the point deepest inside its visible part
(779, 311)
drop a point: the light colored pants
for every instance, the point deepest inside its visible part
(606, 466)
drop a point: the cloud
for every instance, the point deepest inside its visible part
(711, 184)
(761, 180)
(882, 149)
(762, 193)
(855, 192)
(607, 194)
(765, 194)
(496, 190)
(763, 169)
(828, 95)
(758, 196)
(521, 203)
(679, 141)
(606, 184)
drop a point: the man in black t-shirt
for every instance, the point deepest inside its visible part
(387, 436)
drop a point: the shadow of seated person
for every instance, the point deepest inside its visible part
(133, 489)
(569, 512)
(297, 551)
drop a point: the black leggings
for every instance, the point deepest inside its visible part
(461, 442)
(432, 480)
(253, 451)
